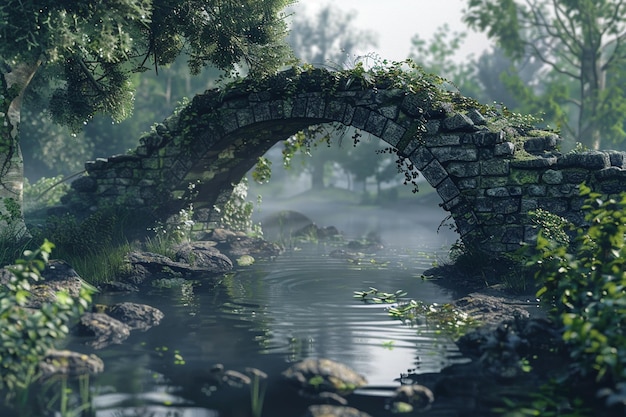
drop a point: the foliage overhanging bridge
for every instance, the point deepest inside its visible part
(490, 171)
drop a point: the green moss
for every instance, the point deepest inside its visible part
(523, 177)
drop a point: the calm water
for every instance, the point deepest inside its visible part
(275, 313)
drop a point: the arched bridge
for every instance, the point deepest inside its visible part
(488, 172)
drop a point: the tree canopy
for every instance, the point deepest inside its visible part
(95, 46)
(582, 46)
(87, 51)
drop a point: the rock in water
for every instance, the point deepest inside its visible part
(314, 376)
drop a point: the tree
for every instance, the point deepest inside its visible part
(90, 48)
(328, 40)
(580, 43)
(437, 56)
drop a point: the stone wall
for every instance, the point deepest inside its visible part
(488, 173)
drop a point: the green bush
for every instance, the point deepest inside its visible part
(27, 335)
(584, 284)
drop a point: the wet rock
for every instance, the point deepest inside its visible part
(65, 362)
(57, 276)
(417, 396)
(203, 255)
(500, 350)
(346, 254)
(281, 225)
(314, 376)
(236, 244)
(135, 316)
(491, 310)
(146, 266)
(103, 329)
(315, 232)
(333, 411)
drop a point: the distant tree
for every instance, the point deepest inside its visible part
(90, 49)
(328, 40)
(438, 56)
(581, 45)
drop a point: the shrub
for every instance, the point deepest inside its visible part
(27, 335)
(584, 284)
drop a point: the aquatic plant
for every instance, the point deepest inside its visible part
(258, 386)
(447, 318)
(379, 297)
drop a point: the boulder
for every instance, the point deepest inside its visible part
(333, 411)
(314, 376)
(66, 362)
(146, 266)
(203, 255)
(236, 244)
(103, 330)
(135, 316)
(57, 276)
(417, 396)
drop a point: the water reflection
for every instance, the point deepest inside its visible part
(268, 316)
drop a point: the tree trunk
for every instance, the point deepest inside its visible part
(13, 83)
(317, 174)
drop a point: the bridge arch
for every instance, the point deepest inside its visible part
(488, 173)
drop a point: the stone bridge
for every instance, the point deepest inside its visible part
(488, 172)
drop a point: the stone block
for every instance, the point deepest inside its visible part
(491, 182)
(348, 114)
(393, 133)
(524, 176)
(432, 127)
(506, 205)
(390, 112)
(494, 167)
(375, 124)
(447, 190)
(476, 117)
(513, 235)
(483, 204)
(298, 107)
(575, 175)
(590, 160)
(617, 158)
(421, 157)
(434, 173)
(277, 109)
(541, 144)
(463, 169)
(261, 111)
(443, 140)
(487, 138)
(361, 115)
(552, 176)
(554, 205)
(454, 153)
(458, 122)
(537, 190)
(315, 107)
(528, 204)
(412, 105)
(229, 121)
(335, 110)
(504, 149)
(467, 183)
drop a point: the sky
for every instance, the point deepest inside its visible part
(395, 22)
